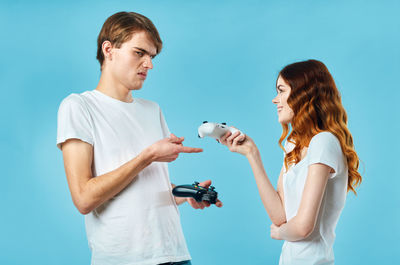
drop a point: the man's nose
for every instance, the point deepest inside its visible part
(148, 63)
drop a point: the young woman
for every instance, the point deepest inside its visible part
(320, 164)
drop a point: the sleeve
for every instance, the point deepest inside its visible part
(325, 149)
(73, 121)
(164, 125)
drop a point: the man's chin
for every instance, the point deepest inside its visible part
(136, 87)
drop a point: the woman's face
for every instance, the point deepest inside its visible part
(285, 113)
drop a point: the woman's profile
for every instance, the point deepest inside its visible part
(319, 167)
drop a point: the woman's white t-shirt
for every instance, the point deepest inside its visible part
(141, 224)
(324, 148)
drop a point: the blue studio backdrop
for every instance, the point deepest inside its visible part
(219, 63)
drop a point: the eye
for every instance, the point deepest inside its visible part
(279, 91)
(139, 53)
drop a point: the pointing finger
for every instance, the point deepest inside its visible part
(186, 149)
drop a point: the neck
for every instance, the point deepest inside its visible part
(110, 87)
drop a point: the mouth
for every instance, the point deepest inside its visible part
(142, 75)
(279, 109)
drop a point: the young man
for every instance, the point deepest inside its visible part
(115, 148)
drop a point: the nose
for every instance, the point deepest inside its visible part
(276, 99)
(148, 63)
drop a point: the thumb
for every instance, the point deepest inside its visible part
(205, 184)
(174, 139)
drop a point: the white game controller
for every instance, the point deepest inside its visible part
(215, 130)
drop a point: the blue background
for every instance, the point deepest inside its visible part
(219, 63)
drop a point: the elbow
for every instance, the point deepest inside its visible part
(83, 205)
(83, 210)
(304, 229)
(278, 221)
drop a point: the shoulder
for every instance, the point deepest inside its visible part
(324, 138)
(73, 100)
(326, 142)
(74, 104)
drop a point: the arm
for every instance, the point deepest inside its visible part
(303, 224)
(271, 198)
(88, 192)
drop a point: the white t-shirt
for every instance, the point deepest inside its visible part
(317, 248)
(141, 224)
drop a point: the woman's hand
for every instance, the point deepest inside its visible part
(275, 232)
(237, 143)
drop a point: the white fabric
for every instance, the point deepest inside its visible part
(141, 224)
(324, 148)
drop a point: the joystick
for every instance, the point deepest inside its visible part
(215, 130)
(197, 192)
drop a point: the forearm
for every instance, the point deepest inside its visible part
(269, 196)
(294, 230)
(100, 189)
(178, 200)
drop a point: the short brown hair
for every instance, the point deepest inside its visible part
(119, 27)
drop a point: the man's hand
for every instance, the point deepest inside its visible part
(203, 204)
(168, 149)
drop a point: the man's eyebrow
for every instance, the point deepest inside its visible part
(143, 50)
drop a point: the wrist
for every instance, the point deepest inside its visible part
(252, 153)
(180, 200)
(148, 155)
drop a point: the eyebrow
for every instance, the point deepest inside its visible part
(143, 50)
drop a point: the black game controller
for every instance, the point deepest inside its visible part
(197, 192)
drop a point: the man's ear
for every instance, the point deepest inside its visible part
(107, 50)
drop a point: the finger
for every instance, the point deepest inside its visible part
(202, 205)
(172, 136)
(238, 139)
(242, 138)
(219, 204)
(176, 140)
(193, 203)
(223, 138)
(233, 136)
(205, 184)
(186, 149)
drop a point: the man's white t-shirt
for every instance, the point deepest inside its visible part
(141, 224)
(317, 248)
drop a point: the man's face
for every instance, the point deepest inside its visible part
(130, 63)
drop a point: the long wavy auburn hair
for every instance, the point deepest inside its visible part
(317, 106)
